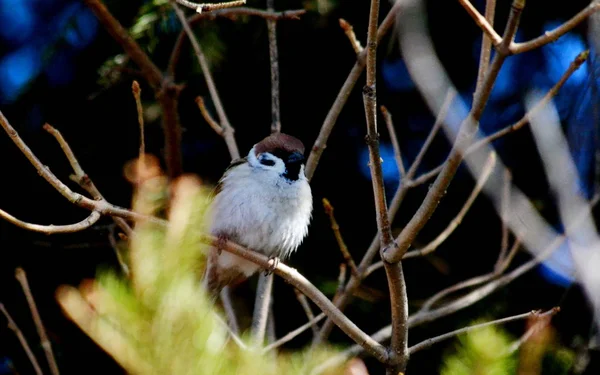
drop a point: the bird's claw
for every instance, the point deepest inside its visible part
(273, 263)
(222, 240)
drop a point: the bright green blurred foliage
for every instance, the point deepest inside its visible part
(159, 320)
(481, 352)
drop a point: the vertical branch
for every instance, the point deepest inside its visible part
(261, 307)
(137, 91)
(22, 278)
(398, 299)
(274, 58)
(486, 44)
(228, 130)
(15, 328)
(164, 90)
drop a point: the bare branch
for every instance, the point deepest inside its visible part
(482, 22)
(344, 298)
(576, 64)
(464, 139)
(201, 8)
(551, 36)
(394, 139)
(298, 281)
(101, 206)
(228, 131)
(53, 229)
(261, 307)
(434, 340)
(229, 310)
(22, 278)
(227, 13)
(165, 91)
(307, 310)
(433, 245)
(340, 240)
(504, 215)
(80, 177)
(135, 88)
(349, 31)
(295, 333)
(486, 44)
(274, 64)
(15, 328)
(209, 119)
(343, 95)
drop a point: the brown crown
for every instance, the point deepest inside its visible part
(279, 141)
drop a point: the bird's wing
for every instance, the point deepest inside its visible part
(234, 163)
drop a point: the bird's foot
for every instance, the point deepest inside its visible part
(221, 241)
(273, 263)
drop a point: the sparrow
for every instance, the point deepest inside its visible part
(264, 202)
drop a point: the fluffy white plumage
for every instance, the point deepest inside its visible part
(258, 207)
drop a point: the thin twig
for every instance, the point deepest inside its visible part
(482, 22)
(486, 44)
(343, 95)
(433, 245)
(228, 131)
(434, 340)
(472, 282)
(231, 332)
(467, 131)
(345, 297)
(540, 322)
(101, 206)
(274, 64)
(165, 91)
(261, 307)
(551, 36)
(295, 333)
(209, 119)
(575, 64)
(307, 310)
(341, 282)
(298, 281)
(387, 116)
(37, 319)
(397, 287)
(340, 240)
(201, 8)
(227, 302)
(135, 88)
(80, 177)
(227, 13)
(349, 31)
(53, 229)
(15, 328)
(504, 215)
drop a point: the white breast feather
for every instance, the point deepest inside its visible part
(262, 211)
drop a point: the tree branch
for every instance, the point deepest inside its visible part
(261, 307)
(22, 278)
(394, 139)
(53, 229)
(426, 344)
(201, 8)
(464, 139)
(274, 64)
(343, 95)
(15, 328)
(228, 131)
(551, 36)
(482, 22)
(164, 91)
(340, 240)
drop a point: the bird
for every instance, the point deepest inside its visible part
(264, 202)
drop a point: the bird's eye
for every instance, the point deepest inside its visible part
(267, 162)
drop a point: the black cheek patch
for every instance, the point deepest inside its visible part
(292, 171)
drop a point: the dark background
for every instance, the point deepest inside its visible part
(50, 55)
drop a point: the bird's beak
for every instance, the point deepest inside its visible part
(296, 157)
